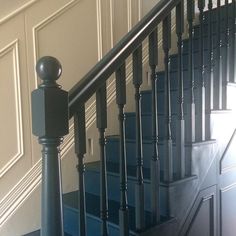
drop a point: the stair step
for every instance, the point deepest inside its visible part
(112, 151)
(71, 212)
(92, 183)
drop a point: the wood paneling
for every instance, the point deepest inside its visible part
(11, 121)
(228, 210)
(202, 217)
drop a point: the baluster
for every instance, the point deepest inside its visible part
(219, 62)
(190, 17)
(121, 101)
(139, 189)
(234, 39)
(201, 104)
(180, 137)
(168, 170)
(155, 162)
(211, 58)
(210, 73)
(80, 150)
(227, 42)
(101, 109)
(227, 57)
(50, 124)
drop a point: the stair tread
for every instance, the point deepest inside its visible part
(222, 111)
(148, 139)
(113, 168)
(233, 84)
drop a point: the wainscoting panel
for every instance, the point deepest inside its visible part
(119, 19)
(228, 160)
(202, 217)
(227, 189)
(11, 121)
(228, 210)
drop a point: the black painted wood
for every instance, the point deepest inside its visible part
(226, 69)
(50, 124)
(101, 111)
(210, 70)
(155, 162)
(180, 136)
(190, 18)
(234, 40)
(227, 40)
(121, 101)
(168, 155)
(139, 188)
(219, 62)
(202, 74)
(168, 170)
(80, 150)
(211, 58)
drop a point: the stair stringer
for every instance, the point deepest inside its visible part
(205, 164)
(184, 195)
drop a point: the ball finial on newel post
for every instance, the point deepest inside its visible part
(49, 70)
(50, 122)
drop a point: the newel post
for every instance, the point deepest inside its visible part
(50, 124)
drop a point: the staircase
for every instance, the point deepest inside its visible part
(171, 169)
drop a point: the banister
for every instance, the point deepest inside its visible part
(88, 85)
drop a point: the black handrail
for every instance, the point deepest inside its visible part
(88, 85)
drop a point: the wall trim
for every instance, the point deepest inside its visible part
(14, 48)
(228, 168)
(99, 28)
(129, 14)
(20, 192)
(17, 11)
(41, 25)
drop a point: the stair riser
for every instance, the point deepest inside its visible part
(112, 153)
(113, 182)
(93, 224)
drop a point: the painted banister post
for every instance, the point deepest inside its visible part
(139, 187)
(202, 73)
(155, 161)
(209, 81)
(210, 87)
(234, 39)
(101, 114)
(168, 151)
(121, 101)
(168, 170)
(180, 134)
(80, 150)
(219, 61)
(226, 57)
(190, 18)
(50, 118)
